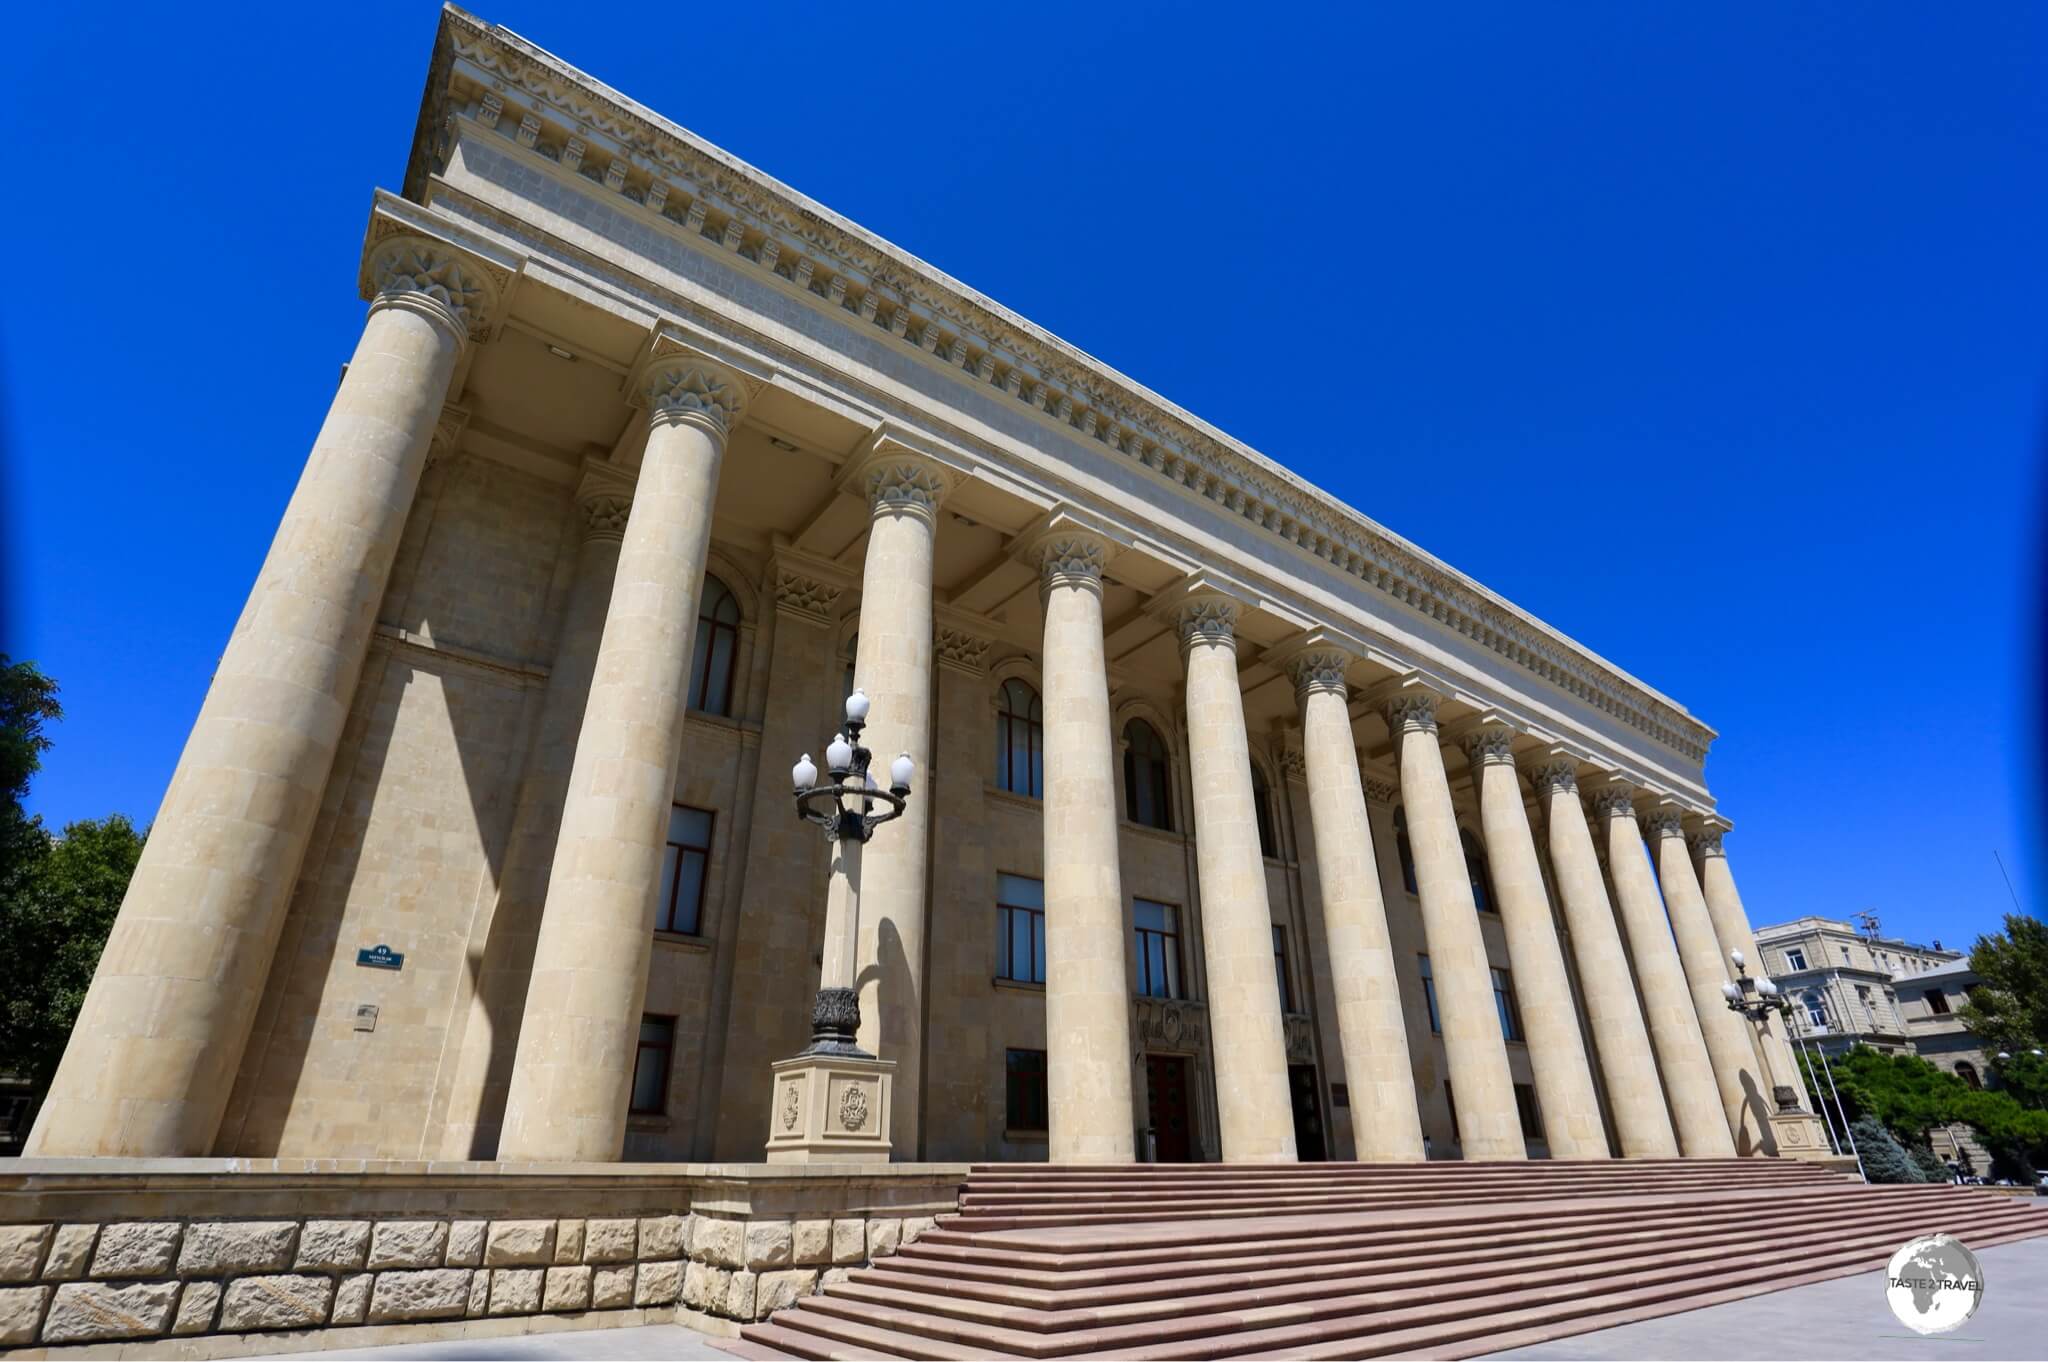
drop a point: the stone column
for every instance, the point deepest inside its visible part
(1620, 1036)
(1731, 926)
(1745, 1092)
(1254, 1105)
(580, 1032)
(1087, 966)
(894, 666)
(1489, 1127)
(1386, 1125)
(1557, 1053)
(1689, 1087)
(154, 1053)
(483, 1068)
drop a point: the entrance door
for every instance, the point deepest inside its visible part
(1166, 1105)
(1308, 1114)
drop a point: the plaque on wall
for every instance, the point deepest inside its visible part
(380, 956)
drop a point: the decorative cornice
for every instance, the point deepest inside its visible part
(1207, 621)
(1410, 711)
(1319, 670)
(961, 649)
(1490, 744)
(1553, 775)
(807, 597)
(723, 203)
(694, 390)
(446, 285)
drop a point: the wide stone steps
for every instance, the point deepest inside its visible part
(1430, 1259)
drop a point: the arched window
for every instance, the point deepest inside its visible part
(718, 647)
(1403, 850)
(1262, 812)
(1967, 1071)
(1476, 871)
(1020, 740)
(1145, 776)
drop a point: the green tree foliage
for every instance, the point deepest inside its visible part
(2025, 1076)
(1928, 1163)
(1884, 1158)
(28, 700)
(1908, 1097)
(2009, 1009)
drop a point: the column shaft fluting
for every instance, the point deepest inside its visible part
(476, 1100)
(153, 1056)
(1731, 926)
(1621, 1039)
(1689, 1085)
(1386, 1125)
(1254, 1105)
(580, 1031)
(1745, 1092)
(1489, 1126)
(1087, 970)
(1557, 1053)
(893, 665)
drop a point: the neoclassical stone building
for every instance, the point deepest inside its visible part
(1243, 828)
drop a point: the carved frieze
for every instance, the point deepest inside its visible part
(1173, 1023)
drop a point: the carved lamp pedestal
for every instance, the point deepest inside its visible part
(830, 1108)
(1799, 1136)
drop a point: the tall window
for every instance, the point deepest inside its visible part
(1937, 1002)
(1504, 1002)
(1795, 959)
(1525, 1106)
(1020, 740)
(1476, 871)
(1816, 1010)
(651, 1063)
(1280, 969)
(718, 647)
(1436, 1026)
(683, 868)
(1967, 1071)
(1020, 929)
(1158, 928)
(1145, 776)
(1024, 1089)
(1262, 813)
(1403, 850)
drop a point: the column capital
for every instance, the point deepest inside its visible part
(1705, 831)
(1613, 795)
(454, 288)
(686, 388)
(896, 479)
(604, 497)
(1662, 819)
(1411, 710)
(1550, 773)
(1294, 763)
(1319, 669)
(1070, 558)
(1207, 620)
(1490, 742)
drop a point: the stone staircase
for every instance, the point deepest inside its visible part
(1358, 1260)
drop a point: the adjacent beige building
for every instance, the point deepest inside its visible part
(1243, 828)
(1847, 982)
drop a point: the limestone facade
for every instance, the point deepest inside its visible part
(1304, 844)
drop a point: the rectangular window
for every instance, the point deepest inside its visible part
(1845, 953)
(1510, 1010)
(1020, 929)
(1158, 928)
(1525, 1105)
(1024, 1089)
(1795, 959)
(1436, 1026)
(684, 865)
(650, 1065)
(1280, 969)
(1451, 1101)
(1937, 1002)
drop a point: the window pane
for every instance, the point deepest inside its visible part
(691, 827)
(650, 1065)
(1037, 948)
(1170, 947)
(717, 697)
(1149, 915)
(668, 884)
(1020, 891)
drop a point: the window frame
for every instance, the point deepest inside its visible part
(701, 655)
(1795, 960)
(1478, 872)
(1281, 970)
(1004, 935)
(1937, 1003)
(1158, 770)
(1013, 1073)
(665, 916)
(1032, 720)
(667, 1050)
(1507, 1005)
(1530, 1111)
(1173, 962)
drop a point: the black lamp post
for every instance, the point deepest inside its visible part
(849, 809)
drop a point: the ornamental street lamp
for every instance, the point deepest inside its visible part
(1754, 998)
(849, 810)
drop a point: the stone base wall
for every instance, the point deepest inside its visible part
(205, 1252)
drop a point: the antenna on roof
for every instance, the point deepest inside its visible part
(1868, 921)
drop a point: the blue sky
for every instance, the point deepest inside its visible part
(1714, 336)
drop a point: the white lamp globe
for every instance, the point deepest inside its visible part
(857, 707)
(804, 774)
(1731, 992)
(839, 756)
(1736, 956)
(901, 770)
(1767, 988)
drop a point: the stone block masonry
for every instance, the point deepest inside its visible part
(208, 1251)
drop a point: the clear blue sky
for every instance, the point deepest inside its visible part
(1712, 335)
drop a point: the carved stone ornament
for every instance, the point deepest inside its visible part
(1294, 763)
(1707, 842)
(1614, 798)
(853, 1108)
(1300, 1044)
(960, 648)
(1210, 621)
(1663, 823)
(792, 1104)
(416, 272)
(1319, 669)
(1379, 791)
(1410, 711)
(1070, 560)
(686, 388)
(805, 595)
(1554, 774)
(1491, 744)
(1169, 1022)
(895, 485)
(604, 514)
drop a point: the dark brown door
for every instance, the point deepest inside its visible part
(1166, 1101)
(1308, 1114)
